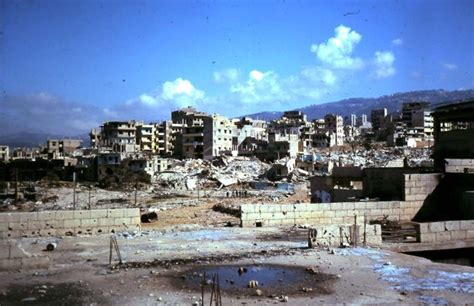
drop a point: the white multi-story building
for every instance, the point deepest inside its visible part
(217, 136)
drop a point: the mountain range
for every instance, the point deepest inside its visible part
(361, 106)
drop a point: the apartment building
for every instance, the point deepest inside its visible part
(121, 136)
(334, 125)
(58, 148)
(145, 137)
(377, 117)
(217, 138)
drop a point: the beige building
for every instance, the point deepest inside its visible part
(217, 136)
(335, 125)
(145, 135)
(58, 148)
(121, 136)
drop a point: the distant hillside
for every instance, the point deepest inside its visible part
(361, 106)
(31, 140)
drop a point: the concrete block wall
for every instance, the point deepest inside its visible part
(459, 165)
(67, 222)
(336, 235)
(444, 231)
(419, 186)
(324, 213)
(14, 257)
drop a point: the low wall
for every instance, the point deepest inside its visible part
(459, 165)
(445, 231)
(67, 222)
(419, 186)
(325, 213)
(14, 257)
(336, 235)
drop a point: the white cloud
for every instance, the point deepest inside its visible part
(416, 75)
(319, 75)
(181, 92)
(260, 87)
(397, 42)
(450, 66)
(147, 99)
(384, 64)
(226, 75)
(338, 49)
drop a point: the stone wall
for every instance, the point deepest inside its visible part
(336, 235)
(419, 186)
(67, 222)
(445, 231)
(325, 213)
(459, 165)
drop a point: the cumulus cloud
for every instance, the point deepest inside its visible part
(337, 51)
(46, 113)
(260, 87)
(181, 92)
(397, 42)
(450, 66)
(226, 75)
(383, 63)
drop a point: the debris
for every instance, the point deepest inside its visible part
(252, 284)
(51, 246)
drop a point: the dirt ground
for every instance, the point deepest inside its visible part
(164, 261)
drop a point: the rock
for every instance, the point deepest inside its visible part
(258, 292)
(284, 299)
(312, 270)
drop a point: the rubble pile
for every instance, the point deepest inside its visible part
(225, 171)
(381, 157)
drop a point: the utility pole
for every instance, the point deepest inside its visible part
(90, 187)
(74, 191)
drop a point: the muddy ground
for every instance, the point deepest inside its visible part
(164, 263)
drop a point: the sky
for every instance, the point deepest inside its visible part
(67, 66)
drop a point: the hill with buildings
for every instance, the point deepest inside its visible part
(361, 106)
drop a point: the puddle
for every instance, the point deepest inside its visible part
(272, 279)
(51, 294)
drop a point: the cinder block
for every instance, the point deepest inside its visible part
(316, 214)
(436, 227)
(46, 215)
(54, 223)
(466, 224)
(89, 222)
(82, 214)
(65, 215)
(131, 212)
(98, 213)
(16, 226)
(443, 236)
(72, 223)
(348, 205)
(428, 238)
(452, 225)
(106, 221)
(36, 225)
(135, 220)
(459, 235)
(324, 206)
(121, 221)
(360, 205)
(329, 214)
(410, 197)
(48, 232)
(341, 213)
(424, 228)
(470, 234)
(114, 213)
(28, 216)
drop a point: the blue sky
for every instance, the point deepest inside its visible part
(82, 62)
